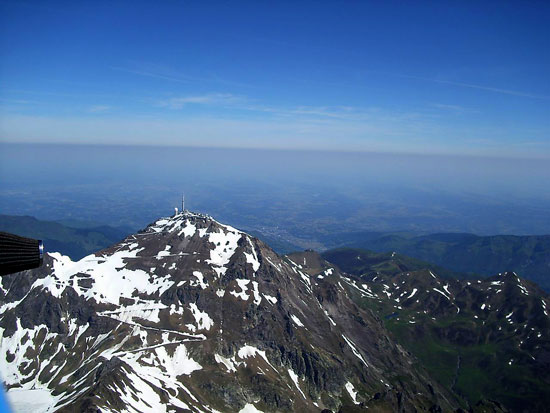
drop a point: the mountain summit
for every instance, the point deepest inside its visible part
(193, 315)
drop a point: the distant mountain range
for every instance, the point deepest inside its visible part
(73, 238)
(529, 255)
(363, 262)
(453, 255)
(483, 339)
(193, 315)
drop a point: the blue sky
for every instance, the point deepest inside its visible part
(422, 77)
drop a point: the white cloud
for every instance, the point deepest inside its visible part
(220, 99)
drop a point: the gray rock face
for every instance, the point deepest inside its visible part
(193, 315)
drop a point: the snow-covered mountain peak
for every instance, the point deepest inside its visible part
(194, 315)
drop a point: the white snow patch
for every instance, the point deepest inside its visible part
(412, 294)
(230, 363)
(31, 400)
(256, 292)
(145, 311)
(225, 246)
(522, 288)
(110, 278)
(17, 346)
(160, 374)
(201, 282)
(202, 319)
(243, 286)
(164, 253)
(249, 408)
(176, 310)
(252, 258)
(179, 363)
(329, 317)
(442, 293)
(296, 320)
(294, 378)
(188, 230)
(305, 280)
(357, 354)
(160, 225)
(270, 298)
(352, 392)
(250, 351)
(363, 289)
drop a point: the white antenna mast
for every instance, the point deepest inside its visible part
(182, 202)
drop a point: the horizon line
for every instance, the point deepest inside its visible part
(286, 149)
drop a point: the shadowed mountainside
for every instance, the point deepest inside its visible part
(57, 237)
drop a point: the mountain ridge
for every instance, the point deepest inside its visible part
(75, 241)
(528, 255)
(193, 315)
(484, 339)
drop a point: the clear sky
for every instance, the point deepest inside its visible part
(459, 77)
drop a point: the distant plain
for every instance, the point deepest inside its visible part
(295, 199)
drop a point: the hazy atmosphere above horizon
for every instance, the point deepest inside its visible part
(425, 77)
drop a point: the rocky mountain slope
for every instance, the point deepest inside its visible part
(487, 338)
(193, 315)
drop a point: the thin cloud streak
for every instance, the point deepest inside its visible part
(479, 87)
(217, 99)
(171, 75)
(457, 108)
(99, 108)
(152, 74)
(454, 108)
(344, 113)
(494, 89)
